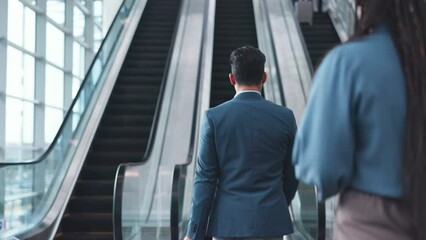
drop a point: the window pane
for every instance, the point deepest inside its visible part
(56, 10)
(53, 120)
(13, 122)
(78, 60)
(20, 74)
(14, 72)
(75, 120)
(55, 45)
(29, 34)
(79, 23)
(76, 83)
(97, 38)
(98, 12)
(54, 87)
(29, 74)
(15, 22)
(28, 123)
(19, 123)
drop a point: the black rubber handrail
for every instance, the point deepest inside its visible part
(122, 168)
(69, 113)
(117, 201)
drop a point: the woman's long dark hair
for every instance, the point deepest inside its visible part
(406, 19)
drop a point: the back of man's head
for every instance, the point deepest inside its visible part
(248, 65)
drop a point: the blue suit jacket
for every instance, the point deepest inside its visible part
(244, 178)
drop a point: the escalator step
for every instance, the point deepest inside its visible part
(142, 71)
(87, 222)
(146, 98)
(130, 109)
(113, 158)
(143, 64)
(152, 56)
(119, 144)
(98, 172)
(126, 120)
(89, 204)
(123, 80)
(123, 132)
(94, 188)
(85, 236)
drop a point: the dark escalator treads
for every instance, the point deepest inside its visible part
(319, 37)
(234, 27)
(125, 127)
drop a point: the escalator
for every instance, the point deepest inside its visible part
(125, 128)
(234, 27)
(319, 37)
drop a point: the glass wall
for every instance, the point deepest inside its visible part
(46, 47)
(49, 47)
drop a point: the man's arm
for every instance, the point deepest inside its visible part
(206, 175)
(289, 177)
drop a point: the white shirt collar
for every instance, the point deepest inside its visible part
(245, 91)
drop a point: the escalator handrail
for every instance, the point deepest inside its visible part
(69, 113)
(122, 168)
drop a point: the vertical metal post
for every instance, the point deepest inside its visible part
(3, 66)
(69, 40)
(68, 75)
(89, 36)
(40, 92)
(320, 6)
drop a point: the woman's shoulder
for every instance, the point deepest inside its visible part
(367, 48)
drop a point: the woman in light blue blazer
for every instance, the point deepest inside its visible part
(363, 134)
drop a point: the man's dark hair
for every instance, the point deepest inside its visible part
(248, 65)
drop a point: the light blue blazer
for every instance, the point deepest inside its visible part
(244, 179)
(353, 130)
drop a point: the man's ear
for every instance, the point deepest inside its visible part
(232, 79)
(265, 76)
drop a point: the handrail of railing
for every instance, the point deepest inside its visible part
(117, 203)
(69, 113)
(321, 224)
(121, 170)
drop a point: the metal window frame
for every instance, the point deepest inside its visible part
(3, 64)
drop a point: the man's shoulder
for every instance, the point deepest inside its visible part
(268, 105)
(220, 108)
(280, 108)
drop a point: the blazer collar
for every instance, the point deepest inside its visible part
(248, 96)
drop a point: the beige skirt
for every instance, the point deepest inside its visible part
(364, 216)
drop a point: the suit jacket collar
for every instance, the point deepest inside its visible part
(248, 96)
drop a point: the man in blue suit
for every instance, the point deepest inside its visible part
(244, 178)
